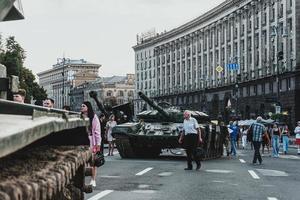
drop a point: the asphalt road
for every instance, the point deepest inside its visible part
(224, 178)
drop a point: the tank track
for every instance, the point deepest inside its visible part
(44, 173)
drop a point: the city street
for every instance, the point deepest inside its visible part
(165, 178)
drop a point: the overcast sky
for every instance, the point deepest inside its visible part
(100, 31)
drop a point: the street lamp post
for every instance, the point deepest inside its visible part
(279, 57)
(63, 62)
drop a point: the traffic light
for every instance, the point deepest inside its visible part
(280, 55)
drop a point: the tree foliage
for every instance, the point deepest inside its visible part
(12, 55)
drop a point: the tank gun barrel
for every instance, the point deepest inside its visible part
(93, 95)
(154, 105)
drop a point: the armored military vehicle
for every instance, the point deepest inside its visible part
(160, 128)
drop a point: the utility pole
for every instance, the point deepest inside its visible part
(63, 75)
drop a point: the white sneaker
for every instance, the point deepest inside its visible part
(93, 183)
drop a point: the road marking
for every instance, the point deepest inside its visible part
(219, 171)
(110, 176)
(165, 174)
(144, 191)
(242, 161)
(253, 174)
(100, 195)
(272, 198)
(270, 172)
(144, 171)
(217, 181)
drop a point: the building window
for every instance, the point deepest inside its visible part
(288, 84)
(271, 87)
(109, 93)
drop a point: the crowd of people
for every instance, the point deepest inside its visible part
(259, 135)
(99, 130)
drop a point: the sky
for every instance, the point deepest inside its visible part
(99, 31)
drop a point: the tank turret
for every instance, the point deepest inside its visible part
(154, 105)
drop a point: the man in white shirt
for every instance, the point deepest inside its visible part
(297, 132)
(191, 136)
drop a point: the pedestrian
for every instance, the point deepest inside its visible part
(276, 133)
(190, 137)
(94, 134)
(297, 132)
(258, 131)
(19, 96)
(285, 138)
(265, 142)
(110, 139)
(233, 137)
(244, 137)
(49, 103)
(225, 133)
(102, 124)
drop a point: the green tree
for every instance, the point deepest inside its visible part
(13, 57)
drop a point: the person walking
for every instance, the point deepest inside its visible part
(190, 137)
(233, 130)
(102, 124)
(285, 138)
(258, 131)
(297, 132)
(94, 134)
(244, 137)
(276, 133)
(109, 126)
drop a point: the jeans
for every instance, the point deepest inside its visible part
(285, 142)
(257, 152)
(275, 144)
(233, 146)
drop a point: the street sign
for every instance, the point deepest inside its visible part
(219, 69)
(277, 109)
(233, 66)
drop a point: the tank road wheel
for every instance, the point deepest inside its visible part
(124, 148)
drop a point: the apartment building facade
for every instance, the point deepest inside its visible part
(244, 52)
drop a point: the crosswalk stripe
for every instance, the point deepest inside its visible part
(272, 198)
(100, 195)
(144, 171)
(253, 174)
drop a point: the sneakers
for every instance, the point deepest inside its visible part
(198, 167)
(188, 168)
(93, 183)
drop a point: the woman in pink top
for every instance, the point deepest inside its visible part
(94, 133)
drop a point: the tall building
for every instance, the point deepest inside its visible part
(65, 75)
(111, 91)
(246, 52)
(11, 10)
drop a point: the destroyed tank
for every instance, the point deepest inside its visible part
(160, 128)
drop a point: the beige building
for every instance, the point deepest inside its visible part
(65, 75)
(110, 91)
